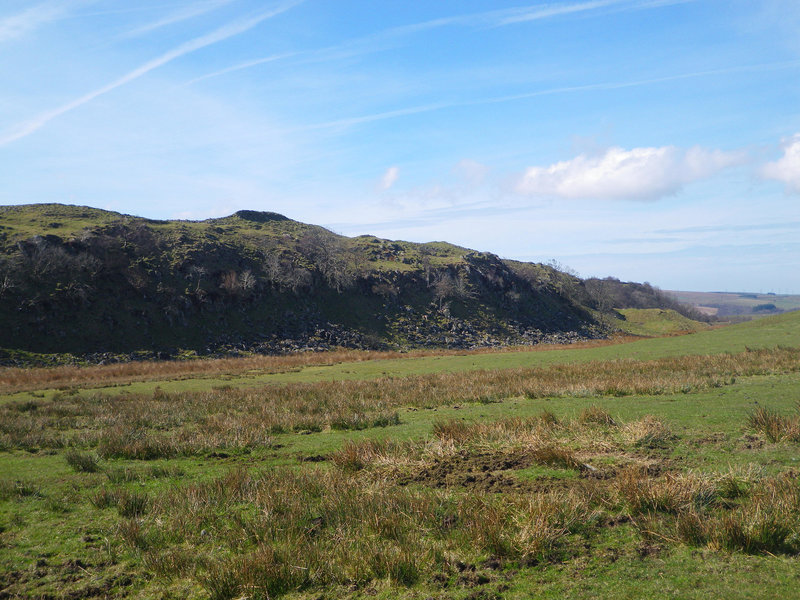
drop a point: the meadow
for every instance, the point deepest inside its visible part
(661, 467)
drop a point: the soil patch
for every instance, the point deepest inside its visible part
(484, 471)
(495, 471)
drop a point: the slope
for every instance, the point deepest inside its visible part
(86, 281)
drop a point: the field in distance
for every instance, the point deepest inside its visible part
(662, 467)
(725, 304)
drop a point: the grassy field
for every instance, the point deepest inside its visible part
(732, 303)
(663, 467)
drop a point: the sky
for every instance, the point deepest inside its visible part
(649, 140)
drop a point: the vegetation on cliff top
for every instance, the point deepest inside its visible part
(83, 280)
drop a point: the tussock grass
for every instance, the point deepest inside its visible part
(304, 530)
(270, 533)
(767, 521)
(16, 379)
(595, 414)
(129, 503)
(10, 489)
(567, 444)
(648, 432)
(774, 426)
(131, 474)
(81, 461)
(671, 494)
(171, 424)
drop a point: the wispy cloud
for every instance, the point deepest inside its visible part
(391, 114)
(787, 168)
(546, 11)
(223, 33)
(608, 86)
(179, 16)
(729, 228)
(618, 174)
(385, 39)
(30, 19)
(389, 178)
(471, 171)
(244, 65)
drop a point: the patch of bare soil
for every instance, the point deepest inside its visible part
(751, 442)
(490, 472)
(494, 471)
(487, 471)
(71, 580)
(713, 439)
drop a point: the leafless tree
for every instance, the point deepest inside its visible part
(443, 287)
(330, 256)
(247, 281)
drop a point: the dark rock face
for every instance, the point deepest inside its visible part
(112, 286)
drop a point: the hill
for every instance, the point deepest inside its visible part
(92, 282)
(657, 322)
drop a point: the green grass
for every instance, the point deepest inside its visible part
(54, 523)
(73, 524)
(652, 322)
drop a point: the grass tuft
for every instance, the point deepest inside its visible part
(596, 415)
(774, 426)
(81, 461)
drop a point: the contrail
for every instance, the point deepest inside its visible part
(223, 33)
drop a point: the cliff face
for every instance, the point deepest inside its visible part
(83, 281)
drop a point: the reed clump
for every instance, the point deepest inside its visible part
(82, 462)
(571, 444)
(774, 426)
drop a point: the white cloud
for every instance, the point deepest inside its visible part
(636, 174)
(786, 168)
(389, 178)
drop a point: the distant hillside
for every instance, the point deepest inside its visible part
(88, 282)
(727, 304)
(612, 293)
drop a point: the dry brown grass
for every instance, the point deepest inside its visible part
(15, 379)
(774, 426)
(568, 445)
(166, 424)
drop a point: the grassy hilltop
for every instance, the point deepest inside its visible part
(663, 467)
(86, 281)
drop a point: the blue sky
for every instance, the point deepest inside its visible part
(653, 140)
